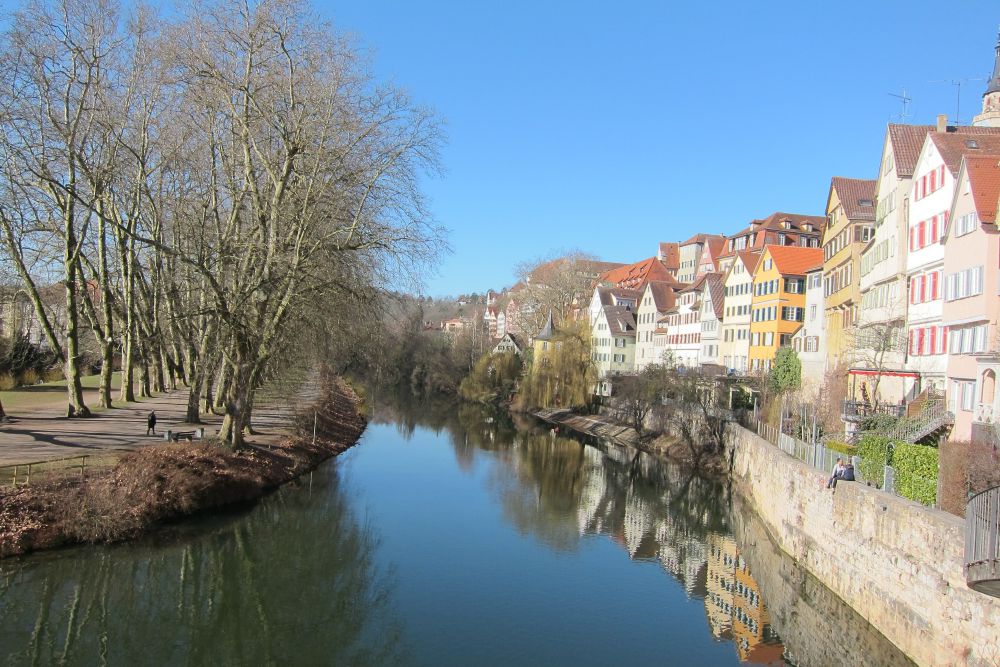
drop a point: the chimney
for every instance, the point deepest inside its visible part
(942, 124)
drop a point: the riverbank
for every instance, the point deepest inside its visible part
(670, 447)
(897, 563)
(166, 482)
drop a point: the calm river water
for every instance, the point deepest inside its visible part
(449, 536)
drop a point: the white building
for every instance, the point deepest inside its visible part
(734, 340)
(712, 299)
(656, 300)
(809, 341)
(613, 344)
(931, 196)
(679, 333)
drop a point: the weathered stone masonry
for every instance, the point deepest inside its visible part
(897, 563)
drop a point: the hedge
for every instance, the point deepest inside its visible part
(842, 447)
(916, 469)
(874, 452)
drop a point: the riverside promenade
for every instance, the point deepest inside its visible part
(39, 429)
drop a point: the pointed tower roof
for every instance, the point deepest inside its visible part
(546, 332)
(994, 84)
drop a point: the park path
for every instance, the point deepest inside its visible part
(42, 431)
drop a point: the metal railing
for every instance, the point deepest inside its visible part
(817, 455)
(16, 474)
(982, 542)
(861, 409)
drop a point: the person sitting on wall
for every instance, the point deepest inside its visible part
(838, 473)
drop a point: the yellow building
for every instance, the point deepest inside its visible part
(850, 211)
(779, 300)
(542, 345)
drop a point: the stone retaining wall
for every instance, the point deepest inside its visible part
(897, 563)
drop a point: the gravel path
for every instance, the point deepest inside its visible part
(43, 432)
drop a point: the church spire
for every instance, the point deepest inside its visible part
(994, 84)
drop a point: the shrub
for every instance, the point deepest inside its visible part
(874, 452)
(967, 468)
(7, 382)
(29, 377)
(842, 447)
(916, 471)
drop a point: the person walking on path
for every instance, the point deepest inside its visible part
(151, 423)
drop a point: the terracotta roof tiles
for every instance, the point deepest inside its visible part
(984, 175)
(857, 196)
(953, 145)
(793, 260)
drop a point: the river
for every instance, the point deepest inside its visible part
(448, 536)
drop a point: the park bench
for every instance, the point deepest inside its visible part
(190, 436)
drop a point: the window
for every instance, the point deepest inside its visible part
(964, 284)
(966, 224)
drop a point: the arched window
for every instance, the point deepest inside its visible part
(988, 386)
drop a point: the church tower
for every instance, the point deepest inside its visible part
(990, 117)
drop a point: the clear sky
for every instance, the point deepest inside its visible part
(608, 127)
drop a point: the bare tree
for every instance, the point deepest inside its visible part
(558, 284)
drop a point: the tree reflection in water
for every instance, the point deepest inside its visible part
(558, 489)
(294, 582)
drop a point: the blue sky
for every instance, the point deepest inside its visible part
(609, 127)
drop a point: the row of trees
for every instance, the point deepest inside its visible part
(201, 188)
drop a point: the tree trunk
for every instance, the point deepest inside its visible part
(127, 392)
(77, 406)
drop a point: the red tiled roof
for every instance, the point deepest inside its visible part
(701, 238)
(857, 196)
(750, 259)
(621, 320)
(953, 145)
(906, 142)
(718, 291)
(984, 175)
(635, 276)
(793, 260)
(773, 222)
(670, 255)
(664, 294)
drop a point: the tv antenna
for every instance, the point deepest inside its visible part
(905, 101)
(958, 83)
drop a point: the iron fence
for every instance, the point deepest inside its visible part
(982, 541)
(30, 472)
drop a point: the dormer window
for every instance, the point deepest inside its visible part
(866, 202)
(971, 143)
(807, 227)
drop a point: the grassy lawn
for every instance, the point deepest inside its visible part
(53, 394)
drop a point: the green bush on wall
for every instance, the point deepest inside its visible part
(842, 447)
(874, 452)
(916, 471)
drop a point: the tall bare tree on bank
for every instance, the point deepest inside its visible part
(306, 170)
(202, 186)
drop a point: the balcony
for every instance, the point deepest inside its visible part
(982, 542)
(857, 411)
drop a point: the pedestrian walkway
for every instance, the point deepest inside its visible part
(43, 432)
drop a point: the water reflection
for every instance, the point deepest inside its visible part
(296, 584)
(558, 489)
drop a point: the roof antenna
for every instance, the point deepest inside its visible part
(905, 100)
(958, 93)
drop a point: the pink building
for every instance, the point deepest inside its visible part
(971, 284)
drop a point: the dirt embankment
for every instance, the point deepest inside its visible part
(157, 484)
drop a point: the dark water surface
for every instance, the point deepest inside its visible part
(449, 536)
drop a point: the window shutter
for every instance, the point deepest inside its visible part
(922, 234)
(934, 231)
(921, 337)
(941, 176)
(935, 290)
(932, 346)
(944, 338)
(923, 288)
